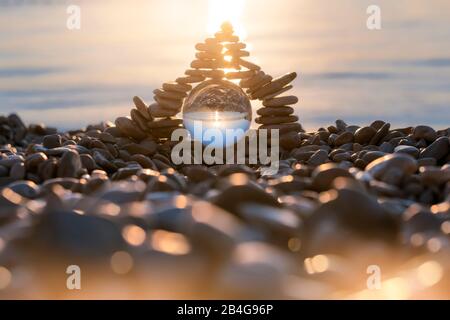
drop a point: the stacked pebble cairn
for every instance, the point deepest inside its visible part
(108, 199)
(220, 57)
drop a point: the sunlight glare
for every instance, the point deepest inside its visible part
(220, 11)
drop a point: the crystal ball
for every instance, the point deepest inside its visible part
(217, 113)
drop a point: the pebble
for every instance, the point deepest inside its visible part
(158, 111)
(174, 86)
(364, 135)
(70, 165)
(381, 133)
(164, 123)
(202, 55)
(277, 93)
(138, 119)
(52, 141)
(128, 128)
(319, 157)
(274, 86)
(284, 128)
(343, 138)
(412, 151)
(175, 95)
(424, 132)
(280, 101)
(189, 79)
(438, 149)
(277, 111)
(169, 103)
(400, 161)
(141, 107)
(249, 65)
(239, 74)
(18, 171)
(324, 175)
(276, 119)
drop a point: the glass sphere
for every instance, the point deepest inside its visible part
(217, 113)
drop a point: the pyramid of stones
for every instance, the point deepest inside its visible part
(220, 57)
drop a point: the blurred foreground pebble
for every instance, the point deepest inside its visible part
(346, 202)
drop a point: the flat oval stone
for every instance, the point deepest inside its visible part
(401, 161)
(280, 101)
(424, 132)
(129, 128)
(364, 135)
(438, 149)
(412, 151)
(324, 175)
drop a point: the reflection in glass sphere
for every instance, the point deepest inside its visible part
(217, 112)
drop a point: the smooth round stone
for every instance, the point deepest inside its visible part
(157, 111)
(87, 162)
(129, 128)
(283, 128)
(17, 171)
(249, 65)
(27, 189)
(226, 37)
(290, 140)
(239, 74)
(424, 132)
(343, 138)
(434, 175)
(254, 80)
(231, 198)
(176, 95)
(33, 160)
(141, 107)
(235, 46)
(274, 86)
(438, 149)
(165, 132)
(265, 80)
(52, 141)
(205, 64)
(276, 119)
(164, 123)
(426, 162)
(280, 221)
(412, 151)
(324, 175)
(278, 111)
(69, 165)
(280, 101)
(377, 124)
(189, 79)
(277, 93)
(372, 155)
(400, 161)
(174, 86)
(169, 103)
(211, 47)
(319, 157)
(364, 135)
(139, 119)
(381, 133)
(202, 55)
(4, 171)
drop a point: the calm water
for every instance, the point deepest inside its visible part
(125, 48)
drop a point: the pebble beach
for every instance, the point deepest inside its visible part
(346, 199)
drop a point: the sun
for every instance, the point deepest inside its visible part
(226, 10)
